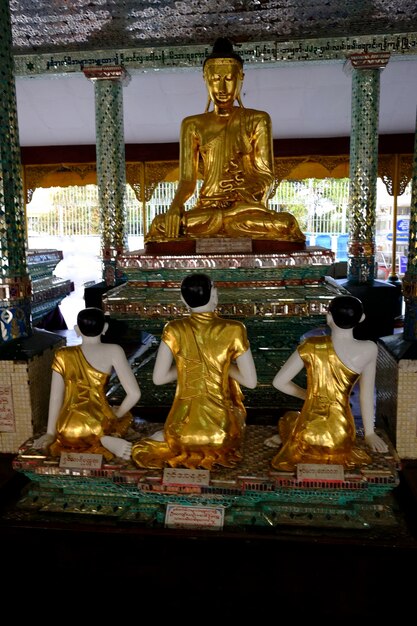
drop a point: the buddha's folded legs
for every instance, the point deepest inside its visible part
(238, 220)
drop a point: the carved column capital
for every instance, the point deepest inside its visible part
(107, 72)
(366, 61)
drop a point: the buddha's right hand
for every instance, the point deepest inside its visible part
(173, 221)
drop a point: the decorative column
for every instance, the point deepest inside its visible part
(409, 282)
(26, 354)
(365, 69)
(379, 298)
(111, 165)
(15, 285)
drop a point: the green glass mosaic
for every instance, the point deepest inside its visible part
(14, 280)
(363, 174)
(275, 318)
(111, 172)
(251, 493)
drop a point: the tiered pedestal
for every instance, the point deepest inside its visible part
(396, 386)
(250, 495)
(279, 297)
(25, 364)
(25, 383)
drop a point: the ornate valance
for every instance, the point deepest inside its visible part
(395, 170)
(58, 175)
(299, 168)
(143, 177)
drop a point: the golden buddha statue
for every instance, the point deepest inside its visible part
(236, 148)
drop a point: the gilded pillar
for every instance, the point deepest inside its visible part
(409, 282)
(365, 69)
(15, 284)
(111, 166)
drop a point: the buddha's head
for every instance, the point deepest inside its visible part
(223, 73)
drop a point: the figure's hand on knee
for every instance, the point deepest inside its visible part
(43, 442)
(375, 442)
(173, 221)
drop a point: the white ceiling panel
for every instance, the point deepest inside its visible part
(309, 100)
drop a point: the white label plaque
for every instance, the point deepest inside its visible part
(223, 244)
(80, 460)
(176, 476)
(318, 471)
(203, 517)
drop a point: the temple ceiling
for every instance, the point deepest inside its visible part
(294, 52)
(60, 25)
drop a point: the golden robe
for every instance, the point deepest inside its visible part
(86, 415)
(238, 179)
(206, 422)
(324, 430)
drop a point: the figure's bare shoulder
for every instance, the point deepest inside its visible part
(372, 348)
(366, 350)
(366, 344)
(113, 350)
(116, 348)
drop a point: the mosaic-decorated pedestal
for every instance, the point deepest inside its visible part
(25, 382)
(396, 393)
(251, 494)
(278, 296)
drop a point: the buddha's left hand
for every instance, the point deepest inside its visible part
(173, 221)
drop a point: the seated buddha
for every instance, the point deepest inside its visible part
(236, 149)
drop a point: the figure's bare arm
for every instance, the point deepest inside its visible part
(264, 154)
(283, 379)
(188, 178)
(127, 379)
(244, 371)
(164, 370)
(367, 403)
(56, 399)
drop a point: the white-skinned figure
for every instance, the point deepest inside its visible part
(80, 418)
(209, 358)
(324, 431)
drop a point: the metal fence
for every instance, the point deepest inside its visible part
(320, 206)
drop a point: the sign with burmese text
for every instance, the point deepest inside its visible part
(198, 517)
(178, 476)
(80, 460)
(318, 471)
(7, 420)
